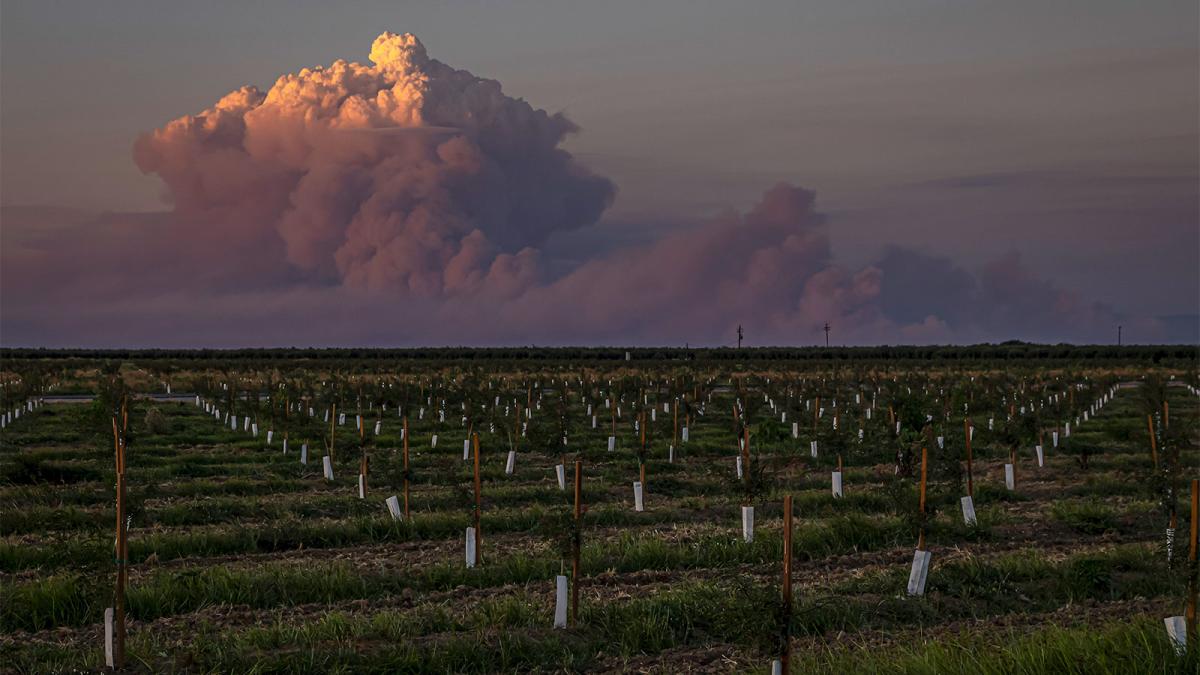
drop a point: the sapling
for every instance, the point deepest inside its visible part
(1183, 630)
(329, 444)
(1153, 430)
(380, 402)
(544, 435)
(478, 504)
(364, 461)
(564, 424)
(836, 479)
(285, 414)
(115, 650)
(831, 440)
(577, 543)
(1194, 571)
(404, 475)
(1165, 479)
(564, 529)
(674, 423)
(642, 451)
(920, 565)
(754, 484)
(156, 422)
(968, 502)
(907, 414)
(1013, 433)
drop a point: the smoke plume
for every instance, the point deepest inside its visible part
(405, 176)
(406, 202)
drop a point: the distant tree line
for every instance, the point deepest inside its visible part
(1007, 351)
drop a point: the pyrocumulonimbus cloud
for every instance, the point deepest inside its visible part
(405, 176)
(408, 202)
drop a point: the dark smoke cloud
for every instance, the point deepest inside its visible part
(1005, 297)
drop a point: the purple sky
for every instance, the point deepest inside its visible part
(609, 174)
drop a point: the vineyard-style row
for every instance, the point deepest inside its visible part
(638, 516)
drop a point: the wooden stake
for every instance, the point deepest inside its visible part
(576, 543)
(287, 404)
(478, 506)
(363, 464)
(122, 545)
(675, 409)
(1153, 440)
(924, 471)
(970, 478)
(116, 445)
(786, 656)
(122, 549)
(641, 460)
(332, 429)
(406, 467)
(1193, 629)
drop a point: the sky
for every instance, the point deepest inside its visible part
(285, 173)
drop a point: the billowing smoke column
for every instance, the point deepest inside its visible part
(406, 175)
(407, 202)
(770, 269)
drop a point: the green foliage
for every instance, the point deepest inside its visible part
(155, 422)
(1088, 517)
(28, 469)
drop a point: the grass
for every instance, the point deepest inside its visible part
(1089, 517)
(342, 588)
(1138, 646)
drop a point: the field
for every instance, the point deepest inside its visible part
(242, 559)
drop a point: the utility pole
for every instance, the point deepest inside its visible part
(826, 333)
(739, 336)
(1118, 336)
